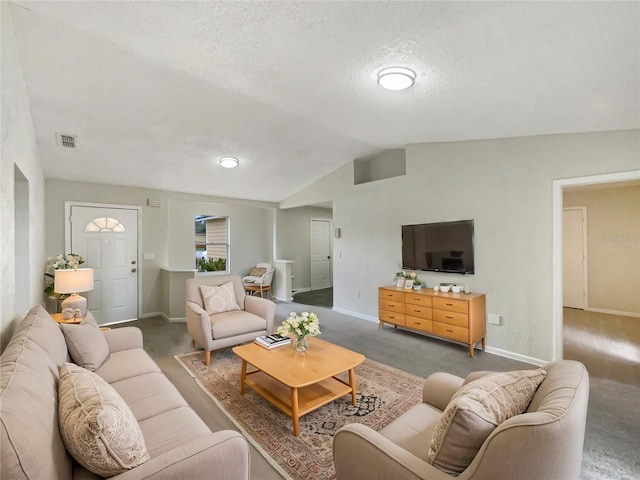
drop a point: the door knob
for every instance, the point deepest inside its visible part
(134, 270)
(133, 262)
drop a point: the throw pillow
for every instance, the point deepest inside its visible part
(98, 428)
(475, 411)
(257, 272)
(219, 299)
(87, 345)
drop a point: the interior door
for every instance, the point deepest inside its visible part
(574, 257)
(107, 239)
(320, 253)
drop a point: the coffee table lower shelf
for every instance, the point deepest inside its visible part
(296, 402)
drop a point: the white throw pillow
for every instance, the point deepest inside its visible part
(475, 411)
(98, 428)
(219, 299)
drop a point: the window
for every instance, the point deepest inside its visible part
(212, 243)
(104, 224)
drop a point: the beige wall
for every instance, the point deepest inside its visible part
(168, 231)
(506, 186)
(22, 191)
(293, 240)
(613, 246)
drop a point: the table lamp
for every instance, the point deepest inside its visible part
(74, 281)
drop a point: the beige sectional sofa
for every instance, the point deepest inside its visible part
(178, 443)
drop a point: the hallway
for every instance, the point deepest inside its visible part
(608, 345)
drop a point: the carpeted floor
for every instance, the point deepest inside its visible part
(613, 425)
(383, 394)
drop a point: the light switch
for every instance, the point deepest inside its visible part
(149, 256)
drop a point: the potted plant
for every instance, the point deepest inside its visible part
(417, 284)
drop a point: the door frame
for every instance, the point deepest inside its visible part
(585, 258)
(67, 235)
(558, 200)
(311, 220)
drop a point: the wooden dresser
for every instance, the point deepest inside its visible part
(456, 316)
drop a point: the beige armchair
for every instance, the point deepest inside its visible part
(544, 442)
(259, 279)
(243, 321)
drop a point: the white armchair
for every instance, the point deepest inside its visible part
(259, 279)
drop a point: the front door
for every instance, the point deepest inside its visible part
(107, 239)
(320, 254)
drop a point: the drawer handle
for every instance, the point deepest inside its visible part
(416, 310)
(449, 304)
(417, 323)
(450, 331)
(392, 305)
(449, 317)
(389, 294)
(392, 317)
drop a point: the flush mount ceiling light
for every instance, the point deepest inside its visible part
(229, 162)
(396, 78)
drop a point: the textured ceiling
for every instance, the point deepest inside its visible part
(158, 91)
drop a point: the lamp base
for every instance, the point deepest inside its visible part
(75, 301)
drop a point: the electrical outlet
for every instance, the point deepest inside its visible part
(495, 319)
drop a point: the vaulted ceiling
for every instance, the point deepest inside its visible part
(157, 92)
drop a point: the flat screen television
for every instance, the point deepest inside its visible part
(439, 247)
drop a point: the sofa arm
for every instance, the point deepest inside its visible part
(263, 308)
(439, 388)
(123, 338)
(221, 455)
(362, 453)
(199, 325)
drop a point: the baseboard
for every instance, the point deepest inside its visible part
(368, 318)
(613, 312)
(283, 299)
(515, 356)
(300, 290)
(492, 350)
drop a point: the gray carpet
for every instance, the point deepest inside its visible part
(613, 425)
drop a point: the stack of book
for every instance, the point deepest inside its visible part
(272, 341)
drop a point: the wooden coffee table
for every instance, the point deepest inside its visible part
(299, 383)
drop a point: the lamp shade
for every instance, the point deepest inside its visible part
(73, 281)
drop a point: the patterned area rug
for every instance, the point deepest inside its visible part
(383, 394)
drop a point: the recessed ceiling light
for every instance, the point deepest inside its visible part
(396, 78)
(229, 162)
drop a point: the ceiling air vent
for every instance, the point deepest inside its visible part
(66, 140)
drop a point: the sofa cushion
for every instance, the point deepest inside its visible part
(86, 343)
(475, 411)
(97, 426)
(218, 299)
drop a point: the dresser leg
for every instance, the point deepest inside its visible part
(471, 350)
(484, 343)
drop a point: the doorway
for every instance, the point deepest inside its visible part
(559, 187)
(106, 237)
(320, 253)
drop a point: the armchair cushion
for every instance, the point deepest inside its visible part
(218, 299)
(97, 426)
(257, 272)
(475, 411)
(87, 344)
(230, 324)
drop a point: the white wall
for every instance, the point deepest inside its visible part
(293, 240)
(168, 232)
(20, 287)
(505, 185)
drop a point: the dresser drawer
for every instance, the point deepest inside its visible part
(451, 318)
(418, 324)
(451, 331)
(391, 317)
(416, 299)
(391, 295)
(418, 311)
(391, 305)
(449, 304)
